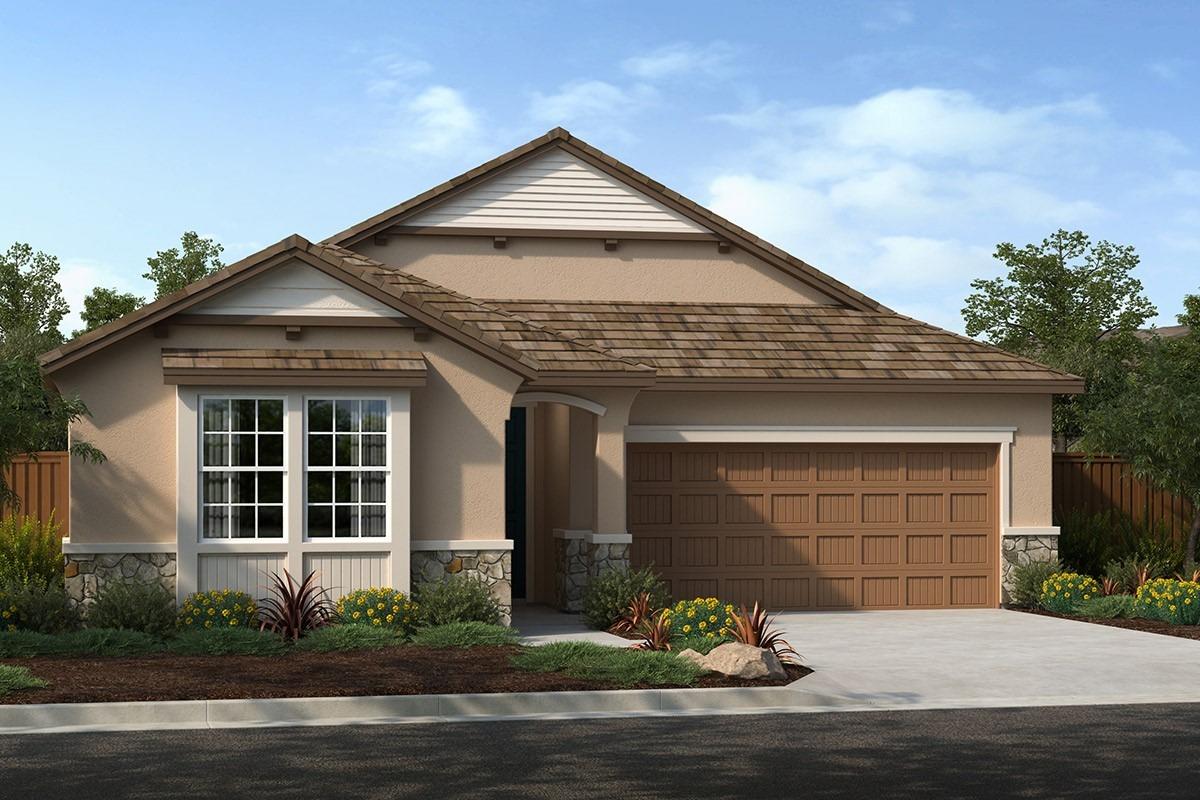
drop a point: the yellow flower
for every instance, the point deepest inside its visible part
(233, 621)
(703, 624)
(687, 628)
(355, 615)
(212, 612)
(187, 621)
(390, 618)
(713, 618)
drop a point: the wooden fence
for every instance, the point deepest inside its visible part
(1100, 484)
(41, 483)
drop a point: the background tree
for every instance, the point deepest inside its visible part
(33, 416)
(173, 269)
(1069, 304)
(102, 306)
(1154, 422)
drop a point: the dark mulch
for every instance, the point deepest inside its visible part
(395, 670)
(1147, 625)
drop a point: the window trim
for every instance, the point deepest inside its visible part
(387, 469)
(200, 469)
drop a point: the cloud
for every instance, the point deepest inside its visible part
(393, 73)
(889, 16)
(1168, 69)
(437, 122)
(602, 109)
(681, 59)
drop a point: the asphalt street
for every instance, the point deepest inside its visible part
(1097, 751)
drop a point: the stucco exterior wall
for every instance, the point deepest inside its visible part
(581, 269)
(1029, 414)
(457, 471)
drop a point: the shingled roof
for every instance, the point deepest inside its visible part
(303, 366)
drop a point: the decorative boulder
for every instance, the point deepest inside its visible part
(694, 657)
(743, 661)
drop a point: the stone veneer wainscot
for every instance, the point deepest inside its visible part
(86, 573)
(493, 567)
(579, 556)
(1018, 549)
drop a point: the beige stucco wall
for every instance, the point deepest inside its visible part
(581, 269)
(457, 476)
(1029, 414)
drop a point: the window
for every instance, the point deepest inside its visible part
(242, 468)
(346, 469)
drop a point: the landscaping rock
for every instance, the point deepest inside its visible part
(695, 657)
(744, 661)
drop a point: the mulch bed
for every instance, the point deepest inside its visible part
(1147, 625)
(389, 671)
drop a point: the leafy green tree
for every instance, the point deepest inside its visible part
(1068, 303)
(173, 269)
(1155, 421)
(33, 416)
(102, 306)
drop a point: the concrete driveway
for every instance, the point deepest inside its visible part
(980, 658)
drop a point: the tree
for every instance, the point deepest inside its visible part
(33, 416)
(1155, 421)
(102, 306)
(173, 269)
(1067, 303)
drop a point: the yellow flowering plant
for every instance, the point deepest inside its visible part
(1064, 591)
(1169, 600)
(218, 608)
(702, 618)
(379, 607)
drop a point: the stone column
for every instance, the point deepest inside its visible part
(580, 556)
(1016, 547)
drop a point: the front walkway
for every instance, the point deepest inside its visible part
(543, 625)
(900, 659)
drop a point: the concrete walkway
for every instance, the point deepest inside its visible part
(913, 659)
(543, 625)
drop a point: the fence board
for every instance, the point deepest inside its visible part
(41, 481)
(1105, 483)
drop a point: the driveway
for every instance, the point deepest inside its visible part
(979, 658)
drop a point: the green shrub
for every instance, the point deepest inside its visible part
(607, 595)
(1126, 573)
(1027, 580)
(30, 552)
(703, 617)
(13, 679)
(37, 606)
(456, 599)
(125, 605)
(1114, 606)
(1169, 600)
(388, 608)
(465, 634)
(618, 666)
(1063, 591)
(87, 642)
(1088, 542)
(335, 638)
(701, 644)
(227, 641)
(218, 608)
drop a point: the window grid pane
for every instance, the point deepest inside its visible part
(242, 468)
(343, 499)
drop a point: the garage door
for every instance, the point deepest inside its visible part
(818, 527)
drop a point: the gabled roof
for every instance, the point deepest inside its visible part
(822, 347)
(561, 138)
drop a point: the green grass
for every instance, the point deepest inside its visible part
(227, 641)
(464, 634)
(14, 679)
(335, 638)
(615, 665)
(1114, 606)
(88, 642)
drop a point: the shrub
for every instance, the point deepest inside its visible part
(704, 617)
(88, 642)
(37, 606)
(218, 608)
(465, 634)
(1113, 606)
(30, 552)
(637, 614)
(130, 606)
(457, 599)
(1027, 581)
(335, 638)
(1169, 600)
(654, 632)
(227, 641)
(294, 609)
(1087, 541)
(1128, 573)
(389, 608)
(13, 679)
(608, 595)
(619, 666)
(701, 644)
(756, 629)
(1063, 591)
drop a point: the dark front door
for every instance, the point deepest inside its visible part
(514, 496)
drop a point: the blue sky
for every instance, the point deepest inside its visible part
(892, 144)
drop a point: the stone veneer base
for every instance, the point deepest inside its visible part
(493, 567)
(1023, 549)
(86, 573)
(578, 559)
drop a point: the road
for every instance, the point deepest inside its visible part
(1125, 751)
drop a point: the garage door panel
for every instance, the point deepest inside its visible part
(794, 527)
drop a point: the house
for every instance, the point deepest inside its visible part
(545, 367)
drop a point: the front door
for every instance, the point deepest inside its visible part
(514, 496)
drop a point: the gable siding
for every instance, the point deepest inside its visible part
(295, 289)
(555, 191)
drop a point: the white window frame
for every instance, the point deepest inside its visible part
(388, 510)
(201, 469)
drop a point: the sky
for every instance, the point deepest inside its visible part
(891, 144)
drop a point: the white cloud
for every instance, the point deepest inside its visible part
(889, 16)
(681, 59)
(393, 73)
(1168, 69)
(437, 122)
(588, 100)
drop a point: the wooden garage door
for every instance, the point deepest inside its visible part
(818, 527)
